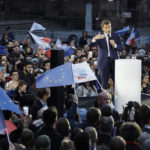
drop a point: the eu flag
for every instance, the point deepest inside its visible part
(3, 50)
(6, 103)
(2, 123)
(59, 76)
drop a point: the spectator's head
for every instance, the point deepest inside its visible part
(106, 124)
(145, 79)
(130, 131)
(46, 65)
(93, 115)
(75, 132)
(117, 143)
(92, 134)
(147, 65)
(83, 58)
(67, 144)
(84, 33)
(44, 93)
(27, 67)
(43, 142)
(79, 52)
(63, 126)
(14, 75)
(106, 110)
(145, 114)
(22, 87)
(106, 26)
(7, 30)
(123, 54)
(27, 138)
(82, 141)
(50, 116)
(102, 99)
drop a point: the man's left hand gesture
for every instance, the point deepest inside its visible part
(112, 42)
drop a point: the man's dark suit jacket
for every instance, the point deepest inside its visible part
(103, 50)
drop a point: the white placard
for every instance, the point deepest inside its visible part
(127, 82)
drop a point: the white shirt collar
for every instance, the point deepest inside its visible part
(107, 34)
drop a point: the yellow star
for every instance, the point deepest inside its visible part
(4, 102)
(63, 77)
(47, 78)
(55, 81)
(50, 81)
(10, 101)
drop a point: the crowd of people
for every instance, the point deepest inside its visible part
(99, 127)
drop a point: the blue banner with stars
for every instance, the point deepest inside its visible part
(6, 103)
(59, 76)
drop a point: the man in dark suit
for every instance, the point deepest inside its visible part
(109, 46)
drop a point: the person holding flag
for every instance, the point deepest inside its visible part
(109, 44)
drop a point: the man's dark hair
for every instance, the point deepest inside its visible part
(147, 63)
(11, 73)
(67, 144)
(117, 143)
(144, 114)
(46, 62)
(106, 124)
(130, 131)
(68, 100)
(82, 141)
(27, 138)
(42, 92)
(63, 126)
(105, 22)
(50, 115)
(106, 110)
(93, 115)
(27, 63)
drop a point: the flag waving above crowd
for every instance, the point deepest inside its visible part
(66, 74)
(36, 26)
(133, 35)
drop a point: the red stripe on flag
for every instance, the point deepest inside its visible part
(132, 42)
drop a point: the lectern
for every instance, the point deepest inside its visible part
(127, 82)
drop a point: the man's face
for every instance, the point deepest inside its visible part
(23, 88)
(47, 66)
(106, 28)
(79, 53)
(15, 76)
(28, 68)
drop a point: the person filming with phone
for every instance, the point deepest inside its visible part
(109, 45)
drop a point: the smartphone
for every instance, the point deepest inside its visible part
(90, 54)
(72, 58)
(26, 110)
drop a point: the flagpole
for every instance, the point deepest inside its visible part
(8, 136)
(99, 83)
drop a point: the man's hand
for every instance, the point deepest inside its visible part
(112, 42)
(98, 37)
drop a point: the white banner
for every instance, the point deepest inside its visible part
(82, 73)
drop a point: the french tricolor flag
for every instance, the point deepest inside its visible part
(133, 35)
(42, 42)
